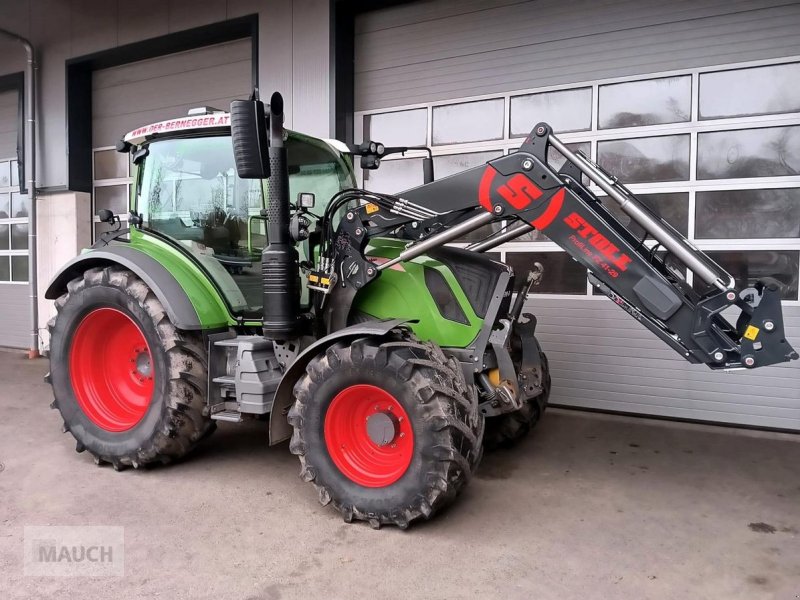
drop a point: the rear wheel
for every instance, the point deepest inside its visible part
(387, 430)
(504, 431)
(128, 384)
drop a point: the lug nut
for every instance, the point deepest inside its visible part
(349, 216)
(498, 209)
(769, 325)
(749, 361)
(731, 296)
(718, 356)
(527, 164)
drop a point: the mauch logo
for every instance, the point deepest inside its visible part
(52, 552)
(74, 551)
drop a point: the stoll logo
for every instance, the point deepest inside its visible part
(79, 551)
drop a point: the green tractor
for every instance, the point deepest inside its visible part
(388, 358)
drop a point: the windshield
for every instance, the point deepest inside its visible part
(190, 191)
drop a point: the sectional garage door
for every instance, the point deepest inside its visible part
(135, 94)
(14, 289)
(695, 104)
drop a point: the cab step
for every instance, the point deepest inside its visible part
(230, 416)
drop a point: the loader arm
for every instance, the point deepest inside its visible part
(524, 189)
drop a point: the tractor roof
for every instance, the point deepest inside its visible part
(203, 118)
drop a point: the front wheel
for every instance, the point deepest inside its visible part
(387, 430)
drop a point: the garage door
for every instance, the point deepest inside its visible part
(14, 292)
(695, 104)
(139, 93)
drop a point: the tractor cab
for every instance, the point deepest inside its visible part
(187, 193)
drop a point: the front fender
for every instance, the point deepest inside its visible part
(279, 428)
(165, 286)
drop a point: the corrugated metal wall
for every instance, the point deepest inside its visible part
(445, 49)
(602, 358)
(139, 93)
(449, 49)
(9, 121)
(15, 306)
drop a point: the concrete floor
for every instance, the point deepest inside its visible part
(591, 506)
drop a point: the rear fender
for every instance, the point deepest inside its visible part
(279, 428)
(180, 308)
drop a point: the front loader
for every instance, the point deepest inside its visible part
(387, 357)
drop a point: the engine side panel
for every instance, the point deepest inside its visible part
(450, 317)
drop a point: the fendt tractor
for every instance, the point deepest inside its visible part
(254, 280)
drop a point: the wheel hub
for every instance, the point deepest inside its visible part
(142, 360)
(368, 435)
(381, 428)
(111, 369)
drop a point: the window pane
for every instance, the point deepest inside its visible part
(665, 100)
(562, 275)
(748, 214)
(5, 268)
(402, 128)
(749, 266)
(19, 268)
(112, 197)
(5, 206)
(566, 110)
(468, 122)
(664, 158)
(20, 205)
(556, 160)
(19, 237)
(481, 233)
(14, 173)
(768, 152)
(4, 237)
(394, 175)
(754, 91)
(673, 207)
(450, 164)
(110, 164)
(5, 174)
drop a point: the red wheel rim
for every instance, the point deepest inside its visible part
(351, 422)
(111, 369)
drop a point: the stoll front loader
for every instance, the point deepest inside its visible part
(381, 352)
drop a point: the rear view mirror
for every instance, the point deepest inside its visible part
(427, 169)
(256, 234)
(250, 136)
(105, 216)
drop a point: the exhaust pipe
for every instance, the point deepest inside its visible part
(280, 268)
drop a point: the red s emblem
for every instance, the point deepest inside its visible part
(519, 192)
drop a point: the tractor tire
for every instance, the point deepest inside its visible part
(506, 430)
(128, 384)
(387, 430)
